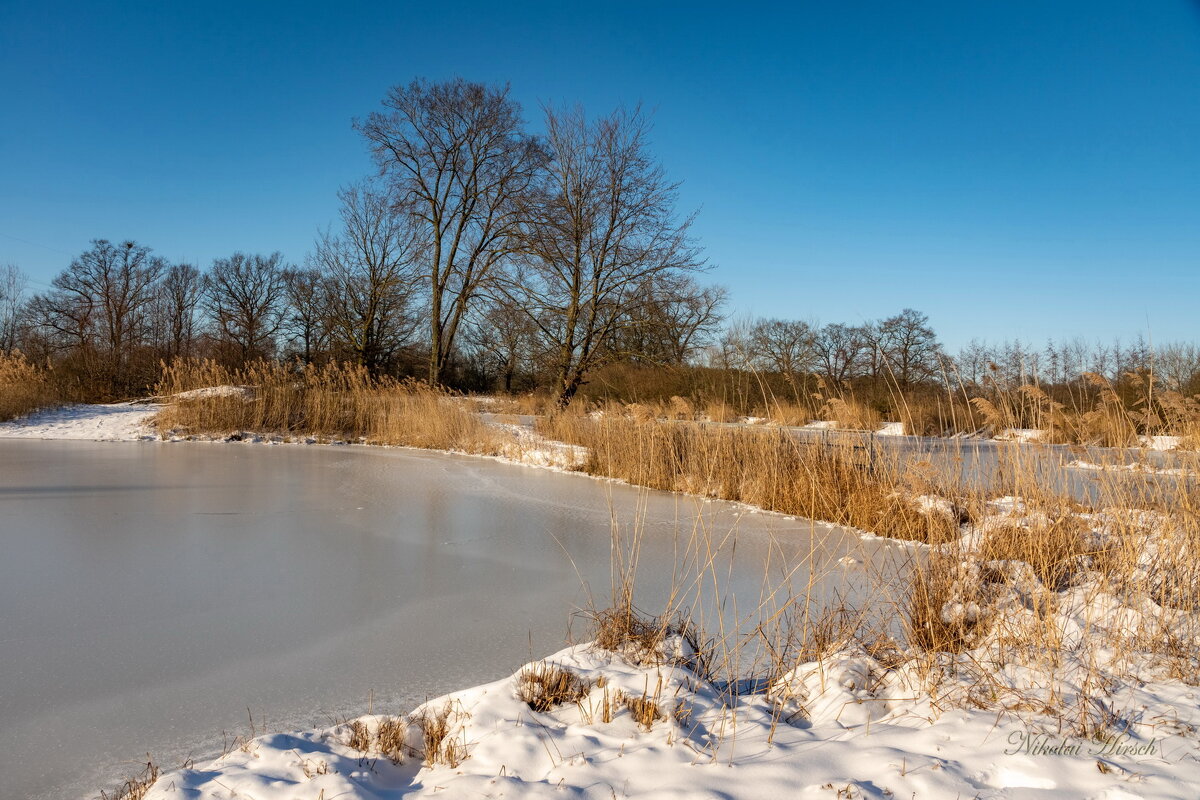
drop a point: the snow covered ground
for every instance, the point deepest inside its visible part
(844, 727)
(114, 422)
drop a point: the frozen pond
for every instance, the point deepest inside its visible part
(151, 593)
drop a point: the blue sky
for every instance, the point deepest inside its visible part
(1013, 169)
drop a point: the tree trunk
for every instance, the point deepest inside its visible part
(569, 387)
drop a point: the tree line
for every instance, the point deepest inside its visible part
(478, 253)
(481, 256)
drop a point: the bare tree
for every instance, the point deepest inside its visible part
(840, 350)
(972, 362)
(100, 305)
(910, 347)
(733, 350)
(602, 227)
(459, 162)
(179, 297)
(244, 294)
(784, 346)
(504, 340)
(1178, 366)
(676, 318)
(12, 293)
(371, 279)
(306, 318)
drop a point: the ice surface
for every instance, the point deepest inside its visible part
(151, 592)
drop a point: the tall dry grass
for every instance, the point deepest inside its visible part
(24, 386)
(334, 401)
(1038, 604)
(846, 483)
(1042, 614)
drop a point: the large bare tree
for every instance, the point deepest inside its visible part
(99, 307)
(602, 227)
(370, 274)
(839, 350)
(909, 347)
(244, 295)
(458, 160)
(306, 318)
(785, 346)
(504, 341)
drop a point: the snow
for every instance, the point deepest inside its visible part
(133, 422)
(215, 391)
(888, 429)
(841, 727)
(114, 422)
(1020, 435)
(1161, 442)
(532, 449)
(1148, 469)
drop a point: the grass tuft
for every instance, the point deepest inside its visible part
(438, 746)
(544, 687)
(137, 786)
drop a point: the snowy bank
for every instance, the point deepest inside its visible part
(842, 727)
(104, 423)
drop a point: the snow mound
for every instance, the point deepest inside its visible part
(844, 726)
(215, 391)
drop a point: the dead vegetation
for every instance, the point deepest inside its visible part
(441, 740)
(544, 687)
(24, 387)
(622, 629)
(645, 710)
(331, 402)
(391, 739)
(1056, 548)
(360, 736)
(844, 482)
(1072, 596)
(137, 786)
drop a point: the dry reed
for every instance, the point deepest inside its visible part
(137, 786)
(847, 483)
(24, 387)
(336, 401)
(439, 745)
(544, 687)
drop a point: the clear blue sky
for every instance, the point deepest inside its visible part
(1013, 169)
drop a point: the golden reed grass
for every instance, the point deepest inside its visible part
(24, 387)
(1135, 544)
(845, 484)
(335, 401)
